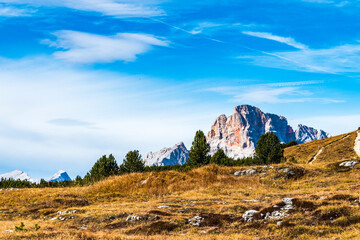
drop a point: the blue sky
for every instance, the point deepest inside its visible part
(84, 78)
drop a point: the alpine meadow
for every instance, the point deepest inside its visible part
(167, 119)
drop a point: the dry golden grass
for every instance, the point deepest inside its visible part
(327, 205)
(336, 148)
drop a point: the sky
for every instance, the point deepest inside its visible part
(83, 78)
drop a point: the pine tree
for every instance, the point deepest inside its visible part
(132, 163)
(220, 158)
(199, 150)
(268, 149)
(104, 167)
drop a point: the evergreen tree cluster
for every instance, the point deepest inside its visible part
(268, 150)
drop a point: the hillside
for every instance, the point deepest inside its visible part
(324, 151)
(283, 201)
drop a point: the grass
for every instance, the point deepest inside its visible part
(336, 148)
(325, 205)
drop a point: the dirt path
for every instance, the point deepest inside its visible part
(329, 144)
(357, 144)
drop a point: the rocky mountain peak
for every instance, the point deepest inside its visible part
(305, 134)
(238, 133)
(176, 155)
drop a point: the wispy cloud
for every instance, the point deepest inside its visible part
(339, 59)
(281, 92)
(286, 40)
(6, 11)
(116, 8)
(67, 122)
(335, 3)
(83, 47)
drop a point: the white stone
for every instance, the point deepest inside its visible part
(348, 164)
(248, 216)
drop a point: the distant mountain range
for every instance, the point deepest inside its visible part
(20, 175)
(238, 134)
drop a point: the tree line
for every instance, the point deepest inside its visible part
(268, 150)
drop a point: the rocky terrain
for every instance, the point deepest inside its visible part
(237, 134)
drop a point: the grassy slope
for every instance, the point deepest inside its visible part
(335, 149)
(328, 208)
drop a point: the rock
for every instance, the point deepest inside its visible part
(348, 164)
(304, 134)
(66, 212)
(250, 215)
(287, 171)
(164, 206)
(176, 155)
(238, 134)
(134, 218)
(195, 221)
(245, 172)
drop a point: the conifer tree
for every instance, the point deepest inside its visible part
(199, 150)
(268, 149)
(104, 167)
(132, 163)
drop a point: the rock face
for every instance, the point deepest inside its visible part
(17, 175)
(60, 176)
(305, 134)
(237, 134)
(176, 155)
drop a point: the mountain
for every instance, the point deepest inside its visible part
(60, 176)
(237, 134)
(304, 134)
(17, 175)
(176, 155)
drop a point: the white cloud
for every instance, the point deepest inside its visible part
(335, 3)
(282, 92)
(116, 8)
(339, 59)
(83, 47)
(13, 12)
(286, 40)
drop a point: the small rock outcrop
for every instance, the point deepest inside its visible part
(349, 164)
(176, 155)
